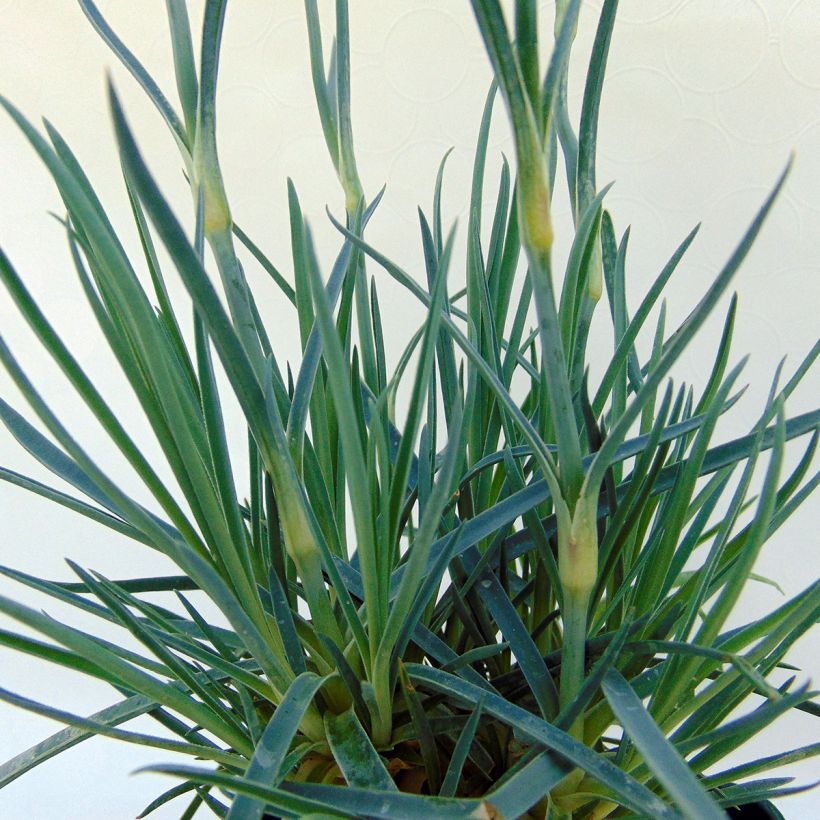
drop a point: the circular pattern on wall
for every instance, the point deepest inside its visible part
(789, 106)
(254, 144)
(720, 55)
(441, 39)
(641, 11)
(285, 52)
(798, 43)
(383, 121)
(701, 153)
(642, 110)
(246, 25)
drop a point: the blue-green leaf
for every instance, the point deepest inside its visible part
(660, 755)
(626, 790)
(357, 758)
(265, 767)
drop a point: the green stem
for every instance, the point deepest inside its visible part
(383, 721)
(578, 568)
(542, 605)
(554, 364)
(236, 293)
(572, 658)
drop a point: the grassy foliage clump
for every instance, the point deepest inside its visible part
(528, 622)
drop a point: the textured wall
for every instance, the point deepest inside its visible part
(704, 101)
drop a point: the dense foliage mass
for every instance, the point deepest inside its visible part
(494, 603)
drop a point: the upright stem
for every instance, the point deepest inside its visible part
(383, 689)
(236, 293)
(574, 617)
(554, 364)
(578, 568)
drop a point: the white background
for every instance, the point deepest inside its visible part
(703, 103)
